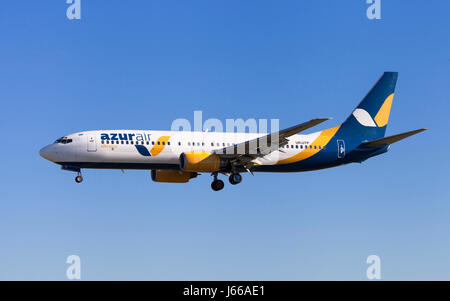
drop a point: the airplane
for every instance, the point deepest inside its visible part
(179, 156)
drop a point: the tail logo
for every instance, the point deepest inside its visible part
(382, 117)
(363, 117)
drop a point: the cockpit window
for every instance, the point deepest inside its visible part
(63, 140)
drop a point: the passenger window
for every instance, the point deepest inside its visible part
(296, 146)
(189, 143)
(212, 143)
(164, 143)
(107, 141)
(168, 143)
(153, 142)
(132, 142)
(292, 146)
(179, 143)
(320, 147)
(127, 142)
(121, 142)
(103, 141)
(159, 142)
(315, 146)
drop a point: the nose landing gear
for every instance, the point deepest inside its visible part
(79, 178)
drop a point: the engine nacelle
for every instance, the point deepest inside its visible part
(172, 176)
(201, 162)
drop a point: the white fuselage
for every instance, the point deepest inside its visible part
(164, 147)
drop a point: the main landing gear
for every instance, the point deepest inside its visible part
(216, 185)
(235, 178)
(79, 178)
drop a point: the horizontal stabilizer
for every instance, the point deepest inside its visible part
(391, 139)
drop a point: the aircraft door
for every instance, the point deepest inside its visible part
(91, 143)
(341, 149)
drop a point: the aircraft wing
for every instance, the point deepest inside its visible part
(259, 147)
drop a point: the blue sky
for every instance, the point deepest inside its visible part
(142, 65)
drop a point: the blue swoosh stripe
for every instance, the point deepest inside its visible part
(143, 150)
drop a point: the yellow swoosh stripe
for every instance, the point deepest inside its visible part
(323, 139)
(382, 117)
(156, 149)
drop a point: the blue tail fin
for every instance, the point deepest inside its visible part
(370, 118)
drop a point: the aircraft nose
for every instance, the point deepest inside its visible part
(47, 153)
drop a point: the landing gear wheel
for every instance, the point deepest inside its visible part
(235, 178)
(78, 179)
(217, 185)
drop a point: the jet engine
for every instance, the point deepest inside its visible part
(172, 176)
(201, 162)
